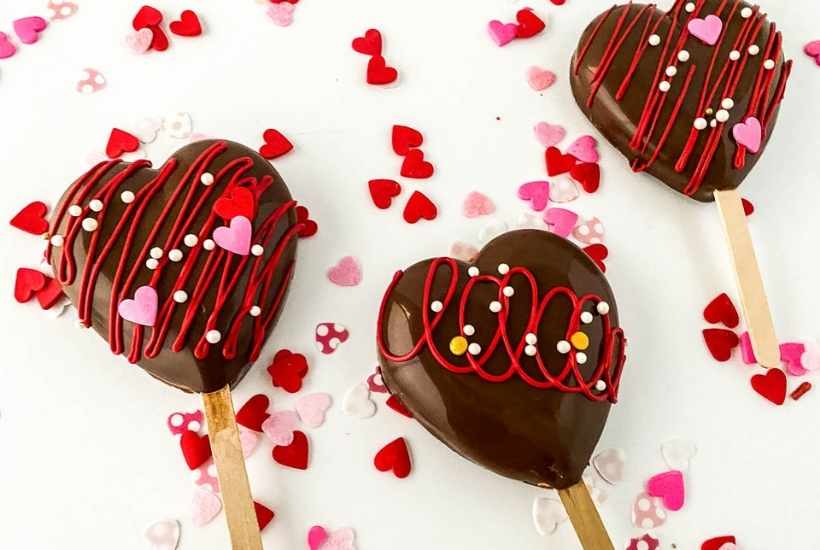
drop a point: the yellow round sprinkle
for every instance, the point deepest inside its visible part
(579, 340)
(458, 345)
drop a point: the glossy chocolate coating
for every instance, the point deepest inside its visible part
(182, 369)
(617, 120)
(539, 436)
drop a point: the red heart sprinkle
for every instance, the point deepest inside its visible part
(379, 73)
(147, 16)
(598, 252)
(120, 142)
(287, 370)
(395, 403)
(722, 310)
(309, 227)
(418, 207)
(748, 207)
(254, 412)
(383, 191)
(294, 455)
(558, 2)
(529, 24)
(414, 165)
(188, 24)
(239, 201)
(195, 449)
(405, 138)
(394, 456)
(32, 218)
(717, 542)
(557, 162)
(264, 515)
(28, 283)
(370, 43)
(720, 342)
(159, 42)
(50, 294)
(588, 174)
(771, 385)
(275, 145)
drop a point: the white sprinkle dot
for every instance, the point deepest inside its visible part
(90, 224)
(722, 115)
(531, 338)
(156, 252)
(654, 40)
(474, 349)
(734, 55)
(644, 504)
(754, 49)
(469, 330)
(180, 296)
(647, 523)
(713, 123)
(213, 336)
(583, 230)
(600, 385)
(194, 426)
(508, 291)
(190, 240)
(586, 317)
(603, 308)
(683, 56)
(664, 86)
(661, 513)
(671, 71)
(257, 250)
(581, 357)
(746, 13)
(151, 263)
(175, 255)
(531, 350)
(176, 419)
(563, 346)
(208, 244)
(75, 210)
(207, 178)
(495, 306)
(127, 197)
(473, 271)
(727, 103)
(322, 330)
(255, 311)
(768, 64)
(700, 123)
(436, 306)
(503, 269)
(96, 205)
(56, 240)
(690, 7)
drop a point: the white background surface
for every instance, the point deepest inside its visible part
(85, 458)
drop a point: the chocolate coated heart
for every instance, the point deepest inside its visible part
(630, 54)
(495, 406)
(124, 226)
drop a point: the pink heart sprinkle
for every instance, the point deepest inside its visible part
(237, 237)
(163, 535)
(749, 134)
(28, 28)
(540, 79)
(7, 49)
(549, 134)
(248, 440)
(561, 221)
(340, 539)
(312, 408)
(463, 251)
(537, 192)
(811, 358)
(204, 507)
(747, 353)
(564, 190)
(502, 33)
(791, 353)
(316, 537)
(477, 204)
(669, 487)
(282, 13)
(279, 427)
(812, 49)
(347, 272)
(707, 30)
(142, 310)
(139, 41)
(585, 149)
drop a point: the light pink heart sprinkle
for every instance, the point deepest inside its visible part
(811, 358)
(142, 310)
(585, 149)
(749, 134)
(204, 507)
(7, 49)
(502, 33)
(163, 535)
(812, 49)
(564, 190)
(282, 13)
(279, 427)
(340, 539)
(610, 465)
(707, 30)
(549, 134)
(561, 221)
(540, 79)
(139, 41)
(237, 237)
(536, 192)
(312, 408)
(669, 487)
(347, 272)
(477, 204)
(463, 251)
(91, 82)
(248, 440)
(316, 537)
(791, 353)
(28, 28)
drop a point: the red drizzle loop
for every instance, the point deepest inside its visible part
(569, 380)
(221, 268)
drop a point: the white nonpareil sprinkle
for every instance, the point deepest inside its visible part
(700, 123)
(257, 250)
(151, 263)
(180, 296)
(127, 197)
(190, 240)
(208, 244)
(56, 240)
(156, 252)
(664, 86)
(75, 210)
(654, 40)
(90, 224)
(563, 346)
(734, 55)
(96, 205)
(727, 103)
(213, 336)
(586, 317)
(175, 255)
(754, 49)
(683, 56)
(722, 115)
(671, 71)
(600, 385)
(255, 311)
(508, 291)
(474, 349)
(531, 338)
(436, 306)
(603, 308)
(690, 7)
(768, 64)
(495, 306)
(207, 178)
(531, 350)
(473, 271)
(581, 357)
(469, 330)
(746, 12)
(503, 269)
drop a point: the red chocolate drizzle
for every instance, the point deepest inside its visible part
(569, 380)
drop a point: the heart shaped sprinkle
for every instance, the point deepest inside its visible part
(181, 422)
(404, 138)
(722, 310)
(564, 190)
(340, 539)
(502, 33)
(610, 465)
(32, 218)
(28, 29)
(196, 449)
(382, 192)
(747, 352)
(316, 537)
(248, 441)
(561, 221)
(394, 457)
(147, 16)
(812, 49)
(557, 162)
(147, 129)
(547, 514)
(540, 79)
(346, 272)
(549, 134)
(749, 134)
(707, 30)
(414, 165)
(280, 427)
(395, 403)
(492, 230)
(312, 408)
(276, 144)
(811, 358)
(791, 354)
(187, 25)
(379, 73)
(357, 402)
(178, 125)
(264, 515)
(587, 174)
(287, 370)
(142, 310)
(204, 507)
(236, 237)
(369, 44)
(120, 142)
(139, 42)
(720, 342)
(771, 385)
(7, 49)
(536, 192)
(309, 227)
(477, 204)
(529, 24)
(419, 207)
(748, 207)
(598, 253)
(669, 487)
(329, 336)
(720, 543)
(647, 512)
(281, 14)
(585, 149)
(163, 535)
(238, 201)
(678, 453)
(463, 251)
(254, 412)
(294, 455)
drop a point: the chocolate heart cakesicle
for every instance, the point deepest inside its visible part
(513, 360)
(183, 270)
(691, 96)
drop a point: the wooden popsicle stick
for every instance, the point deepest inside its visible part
(752, 294)
(584, 517)
(230, 466)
